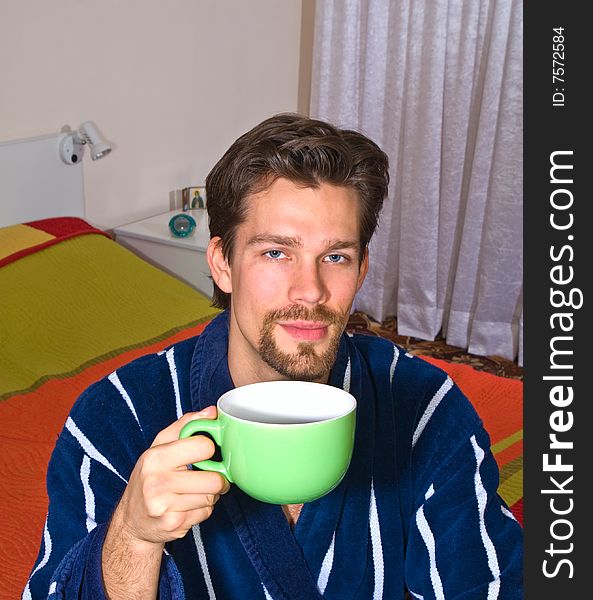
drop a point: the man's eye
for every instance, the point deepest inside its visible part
(274, 254)
(336, 258)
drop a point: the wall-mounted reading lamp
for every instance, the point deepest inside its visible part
(72, 146)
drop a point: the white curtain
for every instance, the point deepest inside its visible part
(438, 85)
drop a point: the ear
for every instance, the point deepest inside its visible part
(219, 265)
(364, 268)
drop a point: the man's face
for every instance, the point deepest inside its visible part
(294, 271)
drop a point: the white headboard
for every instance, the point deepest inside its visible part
(35, 183)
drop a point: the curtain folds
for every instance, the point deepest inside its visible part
(438, 85)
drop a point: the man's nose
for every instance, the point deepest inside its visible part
(307, 285)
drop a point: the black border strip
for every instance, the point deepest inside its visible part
(557, 269)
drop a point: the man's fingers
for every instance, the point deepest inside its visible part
(183, 491)
(175, 524)
(171, 433)
(177, 503)
(198, 482)
(192, 517)
(190, 502)
(176, 455)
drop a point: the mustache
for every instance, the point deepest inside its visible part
(302, 313)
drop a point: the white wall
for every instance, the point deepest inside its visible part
(171, 84)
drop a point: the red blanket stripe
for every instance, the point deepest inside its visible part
(62, 228)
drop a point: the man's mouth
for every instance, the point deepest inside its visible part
(306, 331)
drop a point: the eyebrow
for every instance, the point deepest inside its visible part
(280, 240)
(343, 245)
(296, 242)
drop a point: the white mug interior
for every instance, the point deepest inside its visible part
(286, 402)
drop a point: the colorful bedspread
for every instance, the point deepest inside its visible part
(74, 306)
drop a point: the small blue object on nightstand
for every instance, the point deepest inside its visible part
(182, 225)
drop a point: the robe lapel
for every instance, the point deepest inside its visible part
(271, 547)
(351, 550)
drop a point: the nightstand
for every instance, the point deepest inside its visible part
(184, 258)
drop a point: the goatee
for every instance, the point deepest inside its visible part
(304, 364)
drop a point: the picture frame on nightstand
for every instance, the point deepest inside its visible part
(193, 197)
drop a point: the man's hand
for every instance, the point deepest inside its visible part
(163, 498)
(161, 502)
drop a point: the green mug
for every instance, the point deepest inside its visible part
(282, 442)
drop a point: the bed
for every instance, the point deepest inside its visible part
(74, 306)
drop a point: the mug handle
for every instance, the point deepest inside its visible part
(211, 426)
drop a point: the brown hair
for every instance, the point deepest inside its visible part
(305, 151)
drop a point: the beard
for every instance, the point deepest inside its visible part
(304, 364)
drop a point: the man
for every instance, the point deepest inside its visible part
(292, 205)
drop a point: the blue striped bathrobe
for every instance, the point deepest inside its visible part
(417, 510)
